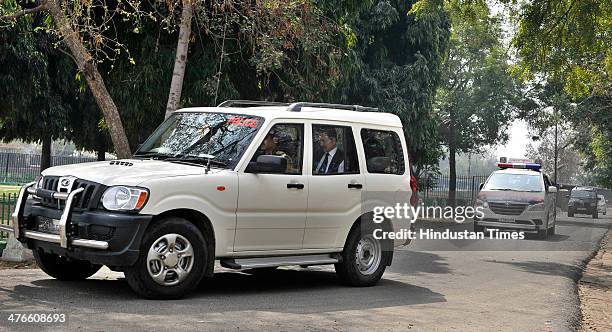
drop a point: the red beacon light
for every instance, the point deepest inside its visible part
(532, 166)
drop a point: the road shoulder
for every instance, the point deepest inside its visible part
(595, 290)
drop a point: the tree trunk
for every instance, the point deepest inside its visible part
(452, 151)
(45, 155)
(87, 66)
(180, 59)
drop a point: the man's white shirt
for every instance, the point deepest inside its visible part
(331, 153)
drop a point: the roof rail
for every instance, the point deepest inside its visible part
(234, 103)
(297, 107)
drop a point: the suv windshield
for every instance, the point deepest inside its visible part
(190, 136)
(514, 182)
(582, 194)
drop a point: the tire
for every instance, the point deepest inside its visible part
(595, 214)
(62, 268)
(362, 242)
(543, 234)
(570, 213)
(184, 267)
(551, 231)
(478, 228)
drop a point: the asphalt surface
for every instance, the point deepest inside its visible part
(432, 285)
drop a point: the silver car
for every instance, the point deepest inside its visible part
(517, 197)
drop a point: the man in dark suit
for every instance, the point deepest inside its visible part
(332, 159)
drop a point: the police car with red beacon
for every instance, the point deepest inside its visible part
(517, 197)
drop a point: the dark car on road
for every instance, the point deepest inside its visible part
(582, 200)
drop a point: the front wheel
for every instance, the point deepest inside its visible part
(62, 268)
(173, 257)
(363, 259)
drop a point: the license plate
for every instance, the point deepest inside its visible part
(508, 220)
(48, 225)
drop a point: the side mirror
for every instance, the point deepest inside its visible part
(480, 186)
(552, 189)
(268, 164)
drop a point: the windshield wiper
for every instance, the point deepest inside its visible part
(155, 155)
(204, 160)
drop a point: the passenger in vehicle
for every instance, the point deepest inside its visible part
(332, 159)
(276, 143)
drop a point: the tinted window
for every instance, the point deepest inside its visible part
(383, 151)
(583, 194)
(334, 150)
(285, 140)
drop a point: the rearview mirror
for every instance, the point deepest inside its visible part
(268, 164)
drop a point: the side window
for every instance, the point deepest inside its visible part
(284, 140)
(383, 151)
(334, 150)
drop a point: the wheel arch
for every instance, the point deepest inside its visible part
(202, 222)
(386, 225)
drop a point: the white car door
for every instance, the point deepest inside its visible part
(336, 186)
(271, 212)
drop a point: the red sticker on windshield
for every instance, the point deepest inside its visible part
(242, 122)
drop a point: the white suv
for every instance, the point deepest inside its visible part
(252, 184)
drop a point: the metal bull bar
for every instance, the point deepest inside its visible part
(62, 239)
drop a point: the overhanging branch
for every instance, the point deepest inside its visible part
(23, 12)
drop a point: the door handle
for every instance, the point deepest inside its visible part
(355, 186)
(295, 186)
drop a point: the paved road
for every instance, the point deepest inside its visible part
(464, 287)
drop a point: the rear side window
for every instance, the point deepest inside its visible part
(383, 151)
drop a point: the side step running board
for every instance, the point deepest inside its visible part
(253, 263)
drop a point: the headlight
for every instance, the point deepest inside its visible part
(39, 182)
(124, 198)
(537, 207)
(482, 203)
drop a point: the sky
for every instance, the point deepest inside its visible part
(517, 143)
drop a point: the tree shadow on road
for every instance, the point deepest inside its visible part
(284, 291)
(569, 271)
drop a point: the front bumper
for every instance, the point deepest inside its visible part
(528, 221)
(100, 237)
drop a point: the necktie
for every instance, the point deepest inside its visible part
(323, 167)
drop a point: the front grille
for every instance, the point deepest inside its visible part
(510, 209)
(86, 200)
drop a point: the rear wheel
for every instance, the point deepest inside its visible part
(172, 261)
(363, 259)
(63, 268)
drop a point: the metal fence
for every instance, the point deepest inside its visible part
(436, 192)
(21, 167)
(7, 205)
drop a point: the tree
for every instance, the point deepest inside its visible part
(395, 51)
(180, 62)
(38, 91)
(478, 95)
(568, 43)
(67, 21)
